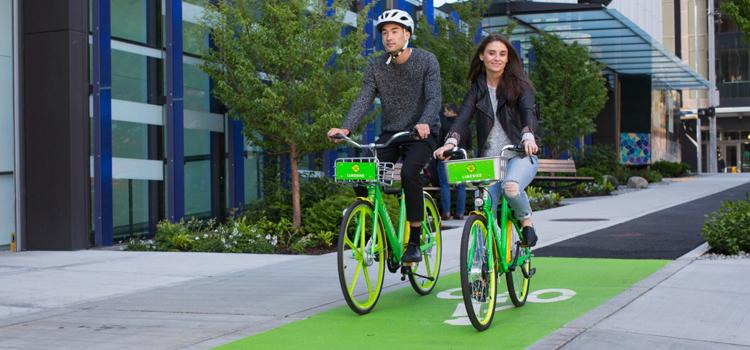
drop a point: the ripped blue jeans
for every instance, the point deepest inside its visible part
(521, 171)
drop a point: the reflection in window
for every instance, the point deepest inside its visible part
(129, 20)
(197, 172)
(197, 89)
(198, 188)
(129, 140)
(129, 208)
(129, 76)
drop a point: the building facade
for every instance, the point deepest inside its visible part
(107, 123)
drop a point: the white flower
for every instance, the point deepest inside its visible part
(205, 235)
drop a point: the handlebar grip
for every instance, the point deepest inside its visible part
(338, 137)
(455, 153)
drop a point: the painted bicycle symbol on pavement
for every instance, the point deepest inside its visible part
(542, 296)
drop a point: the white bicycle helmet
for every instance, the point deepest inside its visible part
(400, 17)
(395, 16)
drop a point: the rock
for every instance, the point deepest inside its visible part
(611, 179)
(637, 182)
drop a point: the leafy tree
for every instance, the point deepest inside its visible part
(453, 46)
(571, 91)
(739, 11)
(284, 68)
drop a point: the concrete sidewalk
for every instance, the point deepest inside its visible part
(108, 299)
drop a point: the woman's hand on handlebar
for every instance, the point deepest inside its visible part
(530, 147)
(438, 154)
(335, 131)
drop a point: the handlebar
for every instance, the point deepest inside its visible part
(406, 135)
(460, 153)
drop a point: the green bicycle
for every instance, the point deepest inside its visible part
(488, 249)
(367, 239)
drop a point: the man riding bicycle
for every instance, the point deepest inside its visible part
(407, 81)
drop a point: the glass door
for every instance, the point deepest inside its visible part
(745, 158)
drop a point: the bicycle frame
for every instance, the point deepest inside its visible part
(498, 239)
(396, 238)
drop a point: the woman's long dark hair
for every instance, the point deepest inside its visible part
(513, 80)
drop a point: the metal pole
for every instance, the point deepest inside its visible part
(15, 29)
(712, 166)
(699, 142)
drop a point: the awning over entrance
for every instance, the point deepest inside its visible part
(612, 39)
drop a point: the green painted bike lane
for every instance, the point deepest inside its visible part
(562, 290)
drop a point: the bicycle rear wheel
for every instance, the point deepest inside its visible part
(361, 257)
(431, 244)
(518, 282)
(478, 272)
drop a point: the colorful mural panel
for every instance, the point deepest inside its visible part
(635, 148)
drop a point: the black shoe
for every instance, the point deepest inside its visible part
(445, 216)
(529, 236)
(458, 217)
(412, 254)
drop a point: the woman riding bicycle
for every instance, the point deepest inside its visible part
(502, 99)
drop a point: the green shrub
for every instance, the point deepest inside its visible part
(315, 190)
(325, 215)
(727, 230)
(597, 175)
(602, 158)
(245, 237)
(139, 245)
(670, 169)
(540, 199)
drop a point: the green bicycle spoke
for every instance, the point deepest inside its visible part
(367, 280)
(355, 278)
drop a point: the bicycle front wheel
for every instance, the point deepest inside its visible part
(431, 244)
(518, 279)
(478, 272)
(361, 257)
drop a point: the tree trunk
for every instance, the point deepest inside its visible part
(296, 208)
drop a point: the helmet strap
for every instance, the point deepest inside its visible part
(395, 55)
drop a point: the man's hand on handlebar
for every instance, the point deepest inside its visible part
(335, 131)
(423, 131)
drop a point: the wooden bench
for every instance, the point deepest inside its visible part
(553, 167)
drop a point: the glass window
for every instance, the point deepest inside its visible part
(129, 208)
(197, 172)
(729, 135)
(129, 20)
(197, 89)
(7, 208)
(252, 177)
(129, 76)
(194, 41)
(129, 140)
(198, 188)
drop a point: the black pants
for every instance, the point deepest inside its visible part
(414, 155)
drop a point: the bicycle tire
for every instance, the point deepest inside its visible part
(351, 248)
(432, 256)
(478, 275)
(518, 283)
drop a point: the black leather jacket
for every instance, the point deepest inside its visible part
(515, 120)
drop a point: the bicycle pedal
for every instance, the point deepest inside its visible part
(528, 274)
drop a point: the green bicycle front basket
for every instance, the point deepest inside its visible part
(476, 169)
(356, 170)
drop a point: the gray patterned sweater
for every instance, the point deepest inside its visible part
(409, 93)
